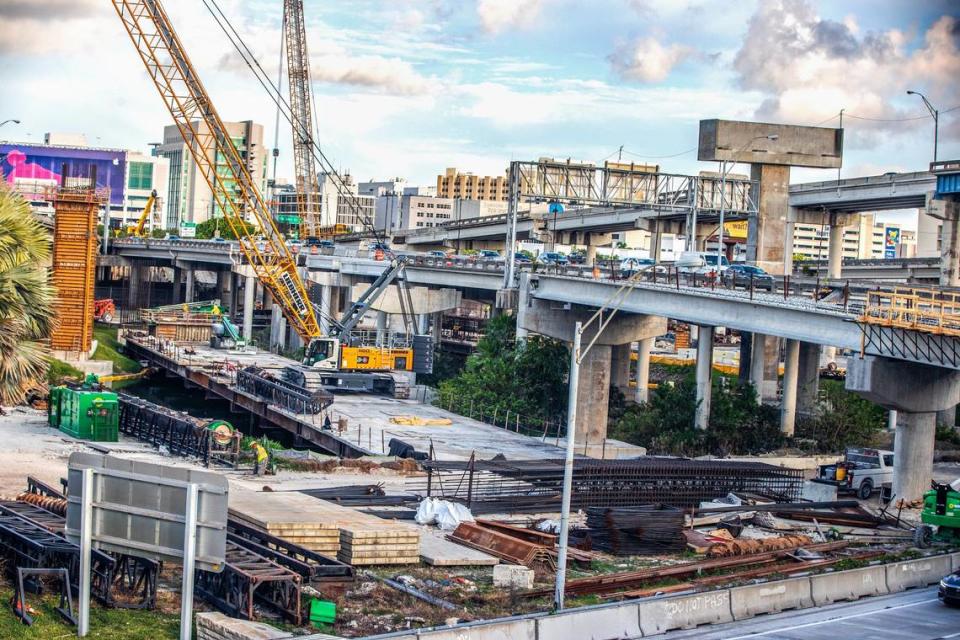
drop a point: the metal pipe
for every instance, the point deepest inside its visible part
(568, 468)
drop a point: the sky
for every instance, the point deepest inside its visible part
(409, 87)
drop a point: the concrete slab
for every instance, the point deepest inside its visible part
(436, 550)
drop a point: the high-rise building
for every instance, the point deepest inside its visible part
(467, 186)
(342, 203)
(189, 197)
(418, 212)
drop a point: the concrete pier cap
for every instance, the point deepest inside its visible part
(916, 392)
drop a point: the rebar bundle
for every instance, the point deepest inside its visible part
(629, 531)
(282, 393)
(501, 486)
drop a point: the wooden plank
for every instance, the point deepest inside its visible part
(440, 552)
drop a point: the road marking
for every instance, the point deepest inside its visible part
(840, 618)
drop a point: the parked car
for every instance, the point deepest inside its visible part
(173, 237)
(316, 242)
(577, 258)
(521, 258)
(630, 266)
(701, 262)
(379, 246)
(552, 258)
(489, 254)
(949, 590)
(862, 471)
(745, 275)
(437, 254)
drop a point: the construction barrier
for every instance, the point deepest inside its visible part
(956, 560)
(216, 626)
(600, 623)
(772, 597)
(849, 585)
(514, 629)
(917, 573)
(684, 612)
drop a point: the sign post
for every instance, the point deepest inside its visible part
(189, 559)
(86, 536)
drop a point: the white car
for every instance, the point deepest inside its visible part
(701, 262)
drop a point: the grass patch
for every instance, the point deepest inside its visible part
(109, 349)
(105, 624)
(60, 370)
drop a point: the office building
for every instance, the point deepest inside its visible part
(467, 186)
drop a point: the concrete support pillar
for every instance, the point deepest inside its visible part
(620, 367)
(808, 382)
(766, 231)
(913, 454)
(423, 323)
(134, 284)
(788, 405)
(593, 395)
(438, 328)
(771, 369)
(756, 364)
(704, 377)
(950, 253)
(643, 369)
(176, 296)
(222, 284)
(249, 292)
(278, 329)
(591, 255)
(835, 252)
(656, 245)
(234, 293)
(188, 293)
(326, 292)
(383, 324)
(892, 419)
(947, 417)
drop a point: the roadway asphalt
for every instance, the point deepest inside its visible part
(911, 615)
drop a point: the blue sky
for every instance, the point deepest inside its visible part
(408, 87)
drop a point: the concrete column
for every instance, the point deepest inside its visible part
(788, 406)
(383, 324)
(656, 245)
(591, 255)
(892, 420)
(234, 294)
(808, 383)
(643, 369)
(756, 364)
(771, 369)
(593, 395)
(950, 253)
(913, 454)
(176, 296)
(325, 315)
(704, 377)
(423, 323)
(438, 327)
(766, 231)
(835, 252)
(620, 367)
(278, 329)
(249, 292)
(134, 283)
(221, 286)
(947, 417)
(188, 294)
(788, 248)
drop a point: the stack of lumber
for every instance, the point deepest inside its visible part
(354, 537)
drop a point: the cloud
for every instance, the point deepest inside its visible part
(390, 75)
(647, 59)
(807, 68)
(15, 9)
(500, 15)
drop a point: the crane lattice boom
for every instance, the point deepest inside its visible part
(190, 106)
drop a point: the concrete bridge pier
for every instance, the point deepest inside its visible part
(558, 322)
(916, 392)
(278, 328)
(808, 379)
(835, 247)
(249, 292)
(643, 370)
(383, 324)
(704, 377)
(788, 404)
(620, 368)
(138, 274)
(176, 288)
(764, 366)
(189, 286)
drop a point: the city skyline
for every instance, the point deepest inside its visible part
(410, 88)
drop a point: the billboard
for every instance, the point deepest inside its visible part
(30, 168)
(891, 242)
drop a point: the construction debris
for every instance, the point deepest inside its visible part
(505, 546)
(751, 547)
(643, 530)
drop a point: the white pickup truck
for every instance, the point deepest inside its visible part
(862, 471)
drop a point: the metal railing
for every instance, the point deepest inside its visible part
(927, 310)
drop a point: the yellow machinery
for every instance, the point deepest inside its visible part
(139, 230)
(236, 195)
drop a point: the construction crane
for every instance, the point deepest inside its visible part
(301, 108)
(337, 355)
(139, 230)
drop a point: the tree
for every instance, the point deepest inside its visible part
(26, 298)
(208, 228)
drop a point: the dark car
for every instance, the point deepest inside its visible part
(949, 590)
(577, 258)
(745, 275)
(552, 258)
(521, 258)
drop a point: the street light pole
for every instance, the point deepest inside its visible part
(13, 120)
(560, 586)
(935, 114)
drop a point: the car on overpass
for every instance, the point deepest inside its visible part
(489, 254)
(747, 276)
(522, 258)
(630, 266)
(552, 258)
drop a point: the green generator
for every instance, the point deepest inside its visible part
(85, 413)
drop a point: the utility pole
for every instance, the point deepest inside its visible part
(935, 114)
(575, 357)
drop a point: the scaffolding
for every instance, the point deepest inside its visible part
(75, 261)
(927, 310)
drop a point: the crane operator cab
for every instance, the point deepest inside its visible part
(323, 353)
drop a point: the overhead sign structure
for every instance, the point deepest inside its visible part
(768, 143)
(188, 229)
(147, 510)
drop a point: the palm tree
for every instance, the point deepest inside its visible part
(26, 298)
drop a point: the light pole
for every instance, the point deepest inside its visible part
(723, 192)
(934, 114)
(13, 120)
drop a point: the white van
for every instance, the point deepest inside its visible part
(701, 262)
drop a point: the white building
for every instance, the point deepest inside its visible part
(419, 212)
(378, 188)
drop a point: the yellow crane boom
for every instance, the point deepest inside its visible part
(137, 230)
(218, 161)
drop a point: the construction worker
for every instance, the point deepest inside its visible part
(260, 464)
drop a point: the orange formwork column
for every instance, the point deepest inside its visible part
(74, 265)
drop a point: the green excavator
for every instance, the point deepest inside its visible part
(940, 515)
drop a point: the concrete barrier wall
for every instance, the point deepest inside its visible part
(601, 623)
(956, 560)
(518, 629)
(917, 573)
(848, 585)
(770, 597)
(684, 612)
